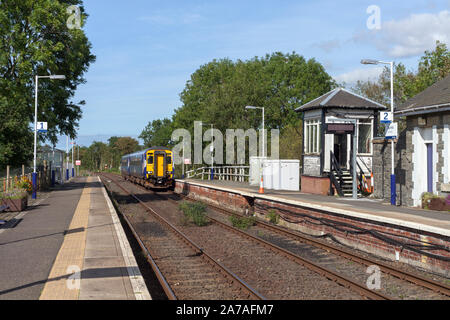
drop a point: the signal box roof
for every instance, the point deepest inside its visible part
(341, 98)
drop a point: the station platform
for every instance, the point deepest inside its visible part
(69, 245)
(437, 222)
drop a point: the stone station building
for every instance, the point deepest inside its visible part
(422, 152)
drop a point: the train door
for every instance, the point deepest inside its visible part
(160, 165)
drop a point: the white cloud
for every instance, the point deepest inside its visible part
(410, 36)
(363, 74)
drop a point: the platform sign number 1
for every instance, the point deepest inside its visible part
(42, 126)
(386, 117)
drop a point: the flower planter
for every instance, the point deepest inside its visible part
(438, 204)
(15, 205)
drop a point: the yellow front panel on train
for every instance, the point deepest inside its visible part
(160, 164)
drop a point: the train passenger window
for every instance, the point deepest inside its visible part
(150, 160)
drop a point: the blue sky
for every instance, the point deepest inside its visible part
(147, 50)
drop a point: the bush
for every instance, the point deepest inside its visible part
(242, 222)
(25, 184)
(194, 212)
(273, 216)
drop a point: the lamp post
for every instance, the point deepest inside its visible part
(67, 158)
(73, 167)
(261, 187)
(51, 77)
(393, 183)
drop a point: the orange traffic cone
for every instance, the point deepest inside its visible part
(261, 186)
(371, 182)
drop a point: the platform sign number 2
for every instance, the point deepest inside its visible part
(386, 117)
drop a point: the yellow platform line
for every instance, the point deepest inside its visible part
(63, 283)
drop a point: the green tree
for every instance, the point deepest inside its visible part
(157, 133)
(218, 92)
(35, 40)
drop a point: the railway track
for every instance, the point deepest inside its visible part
(412, 278)
(346, 282)
(183, 269)
(415, 279)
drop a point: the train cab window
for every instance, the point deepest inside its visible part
(169, 159)
(150, 160)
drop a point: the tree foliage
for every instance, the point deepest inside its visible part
(157, 133)
(218, 92)
(100, 155)
(35, 40)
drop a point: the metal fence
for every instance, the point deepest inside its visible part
(226, 173)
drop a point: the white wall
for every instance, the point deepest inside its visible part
(422, 136)
(446, 154)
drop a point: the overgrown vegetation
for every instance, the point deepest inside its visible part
(273, 216)
(194, 212)
(242, 222)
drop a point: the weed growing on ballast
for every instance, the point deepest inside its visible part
(194, 212)
(273, 216)
(242, 222)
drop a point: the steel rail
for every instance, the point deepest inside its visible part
(162, 280)
(403, 275)
(196, 248)
(342, 280)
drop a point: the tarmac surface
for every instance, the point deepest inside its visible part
(28, 251)
(69, 245)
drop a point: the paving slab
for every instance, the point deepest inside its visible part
(69, 246)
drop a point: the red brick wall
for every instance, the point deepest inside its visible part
(227, 200)
(378, 238)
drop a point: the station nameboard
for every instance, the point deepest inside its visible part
(339, 128)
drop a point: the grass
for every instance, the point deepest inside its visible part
(194, 212)
(242, 222)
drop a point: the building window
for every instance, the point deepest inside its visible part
(365, 136)
(312, 136)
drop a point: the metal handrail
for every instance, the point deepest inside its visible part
(334, 166)
(222, 172)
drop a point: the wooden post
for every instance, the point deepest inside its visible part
(23, 170)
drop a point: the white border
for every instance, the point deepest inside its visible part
(137, 281)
